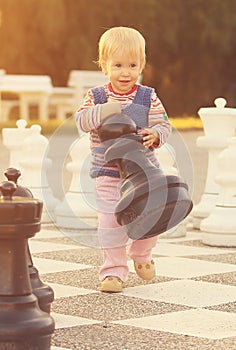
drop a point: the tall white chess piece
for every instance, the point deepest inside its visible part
(13, 139)
(219, 228)
(219, 124)
(34, 147)
(77, 209)
(167, 158)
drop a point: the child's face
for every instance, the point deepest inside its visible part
(123, 72)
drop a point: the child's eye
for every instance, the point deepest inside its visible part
(118, 65)
(133, 65)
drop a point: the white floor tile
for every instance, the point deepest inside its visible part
(66, 321)
(199, 323)
(187, 268)
(44, 233)
(50, 266)
(190, 236)
(56, 348)
(185, 292)
(62, 290)
(41, 247)
(184, 250)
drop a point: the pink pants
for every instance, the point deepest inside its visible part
(113, 237)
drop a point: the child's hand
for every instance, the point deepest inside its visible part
(110, 108)
(149, 137)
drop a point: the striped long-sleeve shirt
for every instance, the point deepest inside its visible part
(88, 118)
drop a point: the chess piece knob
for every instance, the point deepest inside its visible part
(7, 188)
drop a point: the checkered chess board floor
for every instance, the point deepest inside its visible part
(191, 303)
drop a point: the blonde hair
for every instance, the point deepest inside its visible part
(121, 39)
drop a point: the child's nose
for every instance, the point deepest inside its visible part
(125, 71)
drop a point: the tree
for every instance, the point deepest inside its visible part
(191, 45)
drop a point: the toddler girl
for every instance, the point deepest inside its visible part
(122, 58)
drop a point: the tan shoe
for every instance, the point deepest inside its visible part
(145, 270)
(111, 284)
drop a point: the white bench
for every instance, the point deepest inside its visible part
(30, 89)
(5, 105)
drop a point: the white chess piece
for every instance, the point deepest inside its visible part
(167, 158)
(219, 228)
(219, 124)
(34, 148)
(13, 139)
(76, 211)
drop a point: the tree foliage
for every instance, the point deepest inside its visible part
(191, 44)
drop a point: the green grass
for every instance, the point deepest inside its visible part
(186, 123)
(48, 127)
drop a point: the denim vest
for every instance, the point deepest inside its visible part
(138, 110)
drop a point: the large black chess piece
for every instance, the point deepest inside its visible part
(151, 202)
(23, 325)
(43, 292)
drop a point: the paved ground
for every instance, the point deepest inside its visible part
(191, 304)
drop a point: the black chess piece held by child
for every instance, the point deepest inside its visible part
(151, 202)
